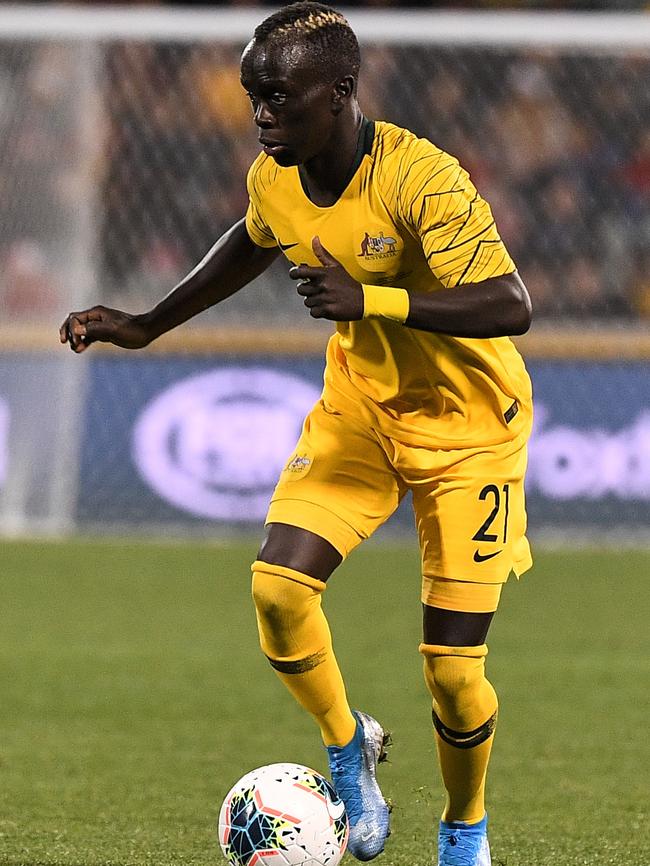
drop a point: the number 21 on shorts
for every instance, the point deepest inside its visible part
(494, 529)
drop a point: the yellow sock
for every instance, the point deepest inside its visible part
(464, 716)
(295, 637)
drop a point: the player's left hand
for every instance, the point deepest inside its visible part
(329, 292)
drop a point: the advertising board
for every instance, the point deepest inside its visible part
(166, 443)
(172, 440)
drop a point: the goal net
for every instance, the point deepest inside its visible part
(124, 142)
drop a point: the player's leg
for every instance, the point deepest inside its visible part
(289, 577)
(296, 639)
(334, 491)
(465, 704)
(336, 488)
(464, 718)
(471, 521)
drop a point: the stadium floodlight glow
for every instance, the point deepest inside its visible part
(584, 31)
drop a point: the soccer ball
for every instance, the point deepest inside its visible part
(283, 815)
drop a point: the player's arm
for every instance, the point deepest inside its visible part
(495, 307)
(232, 262)
(475, 288)
(482, 294)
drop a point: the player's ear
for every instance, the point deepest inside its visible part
(342, 92)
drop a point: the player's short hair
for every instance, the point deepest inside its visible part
(333, 44)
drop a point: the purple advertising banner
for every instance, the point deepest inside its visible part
(190, 441)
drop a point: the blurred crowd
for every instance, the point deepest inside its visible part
(129, 161)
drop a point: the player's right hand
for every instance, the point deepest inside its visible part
(101, 324)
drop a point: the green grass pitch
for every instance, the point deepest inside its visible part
(133, 694)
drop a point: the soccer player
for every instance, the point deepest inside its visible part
(423, 391)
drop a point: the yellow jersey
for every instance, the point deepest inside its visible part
(410, 218)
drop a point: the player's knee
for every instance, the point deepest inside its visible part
(453, 678)
(464, 703)
(282, 605)
(268, 598)
(292, 629)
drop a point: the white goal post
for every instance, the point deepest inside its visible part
(585, 31)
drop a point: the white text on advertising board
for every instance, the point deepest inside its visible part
(214, 444)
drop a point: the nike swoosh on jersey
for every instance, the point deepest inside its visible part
(481, 557)
(286, 246)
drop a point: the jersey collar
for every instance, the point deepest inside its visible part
(364, 147)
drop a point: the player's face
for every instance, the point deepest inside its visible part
(294, 109)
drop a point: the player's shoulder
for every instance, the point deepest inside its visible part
(262, 175)
(407, 166)
(396, 146)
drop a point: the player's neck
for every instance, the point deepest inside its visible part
(325, 177)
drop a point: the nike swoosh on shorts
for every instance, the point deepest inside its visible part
(481, 557)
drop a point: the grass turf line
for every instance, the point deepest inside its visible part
(133, 694)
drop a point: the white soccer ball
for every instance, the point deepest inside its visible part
(283, 815)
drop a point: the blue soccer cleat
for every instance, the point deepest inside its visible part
(462, 844)
(353, 776)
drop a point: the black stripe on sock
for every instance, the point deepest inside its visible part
(299, 666)
(465, 739)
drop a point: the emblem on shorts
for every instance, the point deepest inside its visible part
(298, 464)
(378, 246)
(481, 557)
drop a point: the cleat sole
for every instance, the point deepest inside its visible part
(386, 743)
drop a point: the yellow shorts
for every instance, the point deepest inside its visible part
(345, 479)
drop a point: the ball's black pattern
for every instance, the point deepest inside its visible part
(251, 830)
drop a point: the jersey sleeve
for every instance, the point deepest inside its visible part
(455, 225)
(256, 226)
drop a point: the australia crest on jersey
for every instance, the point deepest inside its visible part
(378, 246)
(298, 465)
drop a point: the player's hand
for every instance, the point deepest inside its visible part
(101, 324)
(329, 292)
